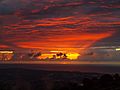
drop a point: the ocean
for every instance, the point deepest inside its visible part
(95, 67)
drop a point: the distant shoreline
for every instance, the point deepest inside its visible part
(113, 67)
(62, 62)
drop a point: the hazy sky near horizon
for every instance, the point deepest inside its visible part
(66, 25)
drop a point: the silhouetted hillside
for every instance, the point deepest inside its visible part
(27, 79)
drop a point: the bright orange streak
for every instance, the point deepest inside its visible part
(70, 56)
(44, 56)
(66, 42)
(56, 51)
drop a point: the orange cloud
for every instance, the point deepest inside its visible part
(67, 42)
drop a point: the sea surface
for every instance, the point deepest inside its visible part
(72, 66)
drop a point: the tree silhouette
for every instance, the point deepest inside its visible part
(64, 56)
(106, 80)
(53, 57)
(59, 55)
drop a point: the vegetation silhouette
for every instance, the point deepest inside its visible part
(20, 79)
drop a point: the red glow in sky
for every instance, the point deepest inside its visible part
(58, 24)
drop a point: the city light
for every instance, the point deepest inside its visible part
(6, 55)
(117, 49)
(6, 52)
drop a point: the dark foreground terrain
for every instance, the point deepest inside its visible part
(28, 79)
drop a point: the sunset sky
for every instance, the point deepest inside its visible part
(60, 25)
